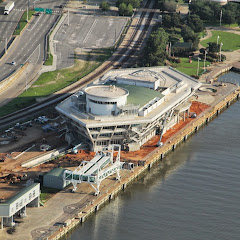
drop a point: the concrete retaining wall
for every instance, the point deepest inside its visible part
(43, 158)
(153, 157)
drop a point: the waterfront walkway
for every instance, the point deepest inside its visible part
(232, 58)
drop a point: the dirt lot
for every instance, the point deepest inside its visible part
(19, 145)
(33, 137)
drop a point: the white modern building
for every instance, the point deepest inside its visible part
(127, 107)
(28, 196)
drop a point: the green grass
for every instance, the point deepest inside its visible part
(51, 82)
(190, 68)
(202, 34)
(230, 41)
(217, 24)
(47, 193)
(49, 60)
(23, 22)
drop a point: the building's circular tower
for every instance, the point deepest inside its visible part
(222, 2)
(105, 99)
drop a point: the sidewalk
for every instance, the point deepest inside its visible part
(232, 58)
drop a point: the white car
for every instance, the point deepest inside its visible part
(13, 63)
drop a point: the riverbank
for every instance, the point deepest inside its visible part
(151, 158)
(66, 210)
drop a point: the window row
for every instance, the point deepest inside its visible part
(100, 102)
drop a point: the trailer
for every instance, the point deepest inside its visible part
(8, 8)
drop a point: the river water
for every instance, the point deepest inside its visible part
(194, 194)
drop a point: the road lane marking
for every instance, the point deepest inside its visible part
(35, 23)
(90, 30)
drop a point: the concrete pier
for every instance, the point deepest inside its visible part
(159, 154)
(77, 207)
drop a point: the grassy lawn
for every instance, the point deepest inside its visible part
(217, 24)
(47, 193)
(51, 82)
(230, 41)
(49, 60)
(202, 34)
(23, 22)
(190, 68)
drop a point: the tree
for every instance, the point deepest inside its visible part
(134, 3)
(167, 21)
(204, 9)
(167, 5)
(104, 5)
(125, 10)
(176, 20)
(122, 9)
(170, 6)
(195, 23)
(238, 21)
(129, 9)
(213, 47)
(189, 36)
(155, 50)
(228, 17)
(187, 33)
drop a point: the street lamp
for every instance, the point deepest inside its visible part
(220, 51)
(26, 82)
(68, 18)
(205, 56)
(1, 39)
(198, 66)
(27, 14)
(217, 39)
(220, 18)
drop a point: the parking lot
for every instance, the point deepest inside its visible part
(85, 31)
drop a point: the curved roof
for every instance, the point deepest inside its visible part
(106, 91)
(220, 1)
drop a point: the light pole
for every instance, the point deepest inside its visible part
(217, 39)
(26, 82)
(1, 39)
(220, 51)
(198, 66)
(205, 56)
(27, 14)
(220, 18)
(68, 18)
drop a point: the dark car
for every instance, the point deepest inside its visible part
(37, 14)
(61, 6)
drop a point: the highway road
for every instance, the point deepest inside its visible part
(32, 38)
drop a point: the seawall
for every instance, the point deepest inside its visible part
(218, 70)
(150, 159)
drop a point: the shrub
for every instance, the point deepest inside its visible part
(195, 76)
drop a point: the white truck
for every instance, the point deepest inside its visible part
(8, 8)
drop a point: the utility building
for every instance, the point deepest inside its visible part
(54, 179)
(28, 196)
(127, 107)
